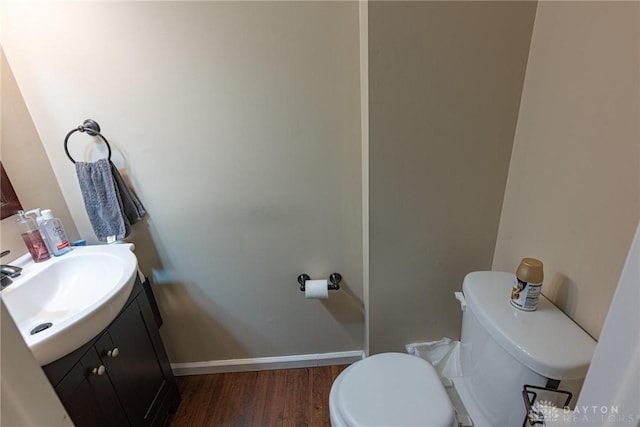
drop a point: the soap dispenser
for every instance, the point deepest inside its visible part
(37, 215)
(32, 238)
(56, 236)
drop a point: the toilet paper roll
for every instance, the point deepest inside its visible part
(316, 289)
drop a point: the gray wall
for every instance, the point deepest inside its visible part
(238, 124)
(445, 80)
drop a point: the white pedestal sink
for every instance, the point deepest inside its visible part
(78, 293)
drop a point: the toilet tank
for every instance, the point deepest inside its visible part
(504, 348)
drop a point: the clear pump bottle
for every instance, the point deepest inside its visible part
(32, 238)
(56, 236)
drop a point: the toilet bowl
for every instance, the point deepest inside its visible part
(502, 349)
(390, 389)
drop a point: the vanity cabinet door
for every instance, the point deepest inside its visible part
(136, 386)
(88, 397)
(130, 358)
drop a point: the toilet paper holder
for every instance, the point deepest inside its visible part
(334, 279)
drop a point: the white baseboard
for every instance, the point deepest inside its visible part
(267, 363)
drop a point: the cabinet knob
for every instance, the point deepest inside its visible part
(99, 370)
(113, 353)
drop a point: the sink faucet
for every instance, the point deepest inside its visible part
(7, 272)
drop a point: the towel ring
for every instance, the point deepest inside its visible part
(91, 127)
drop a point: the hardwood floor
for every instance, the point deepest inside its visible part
(281, 398)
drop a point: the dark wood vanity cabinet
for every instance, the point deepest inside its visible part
(121, 377)
(90, 399)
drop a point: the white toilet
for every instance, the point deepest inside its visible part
(502, 349)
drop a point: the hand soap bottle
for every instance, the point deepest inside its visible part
(56, 236)
(32, 238)
(39, 220)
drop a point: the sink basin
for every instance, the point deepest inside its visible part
(69, 299)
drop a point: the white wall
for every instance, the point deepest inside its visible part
(573, 192)
(239, 126)
(445, 80)
(613, 380)
(27, 165)
(26, 397)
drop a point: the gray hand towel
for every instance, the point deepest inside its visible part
(112, 207)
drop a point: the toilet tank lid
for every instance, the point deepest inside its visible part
(546, 340)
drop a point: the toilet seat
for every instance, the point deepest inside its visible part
(390, 389)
